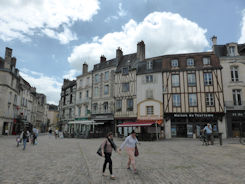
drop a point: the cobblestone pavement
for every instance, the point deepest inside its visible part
(71, 161)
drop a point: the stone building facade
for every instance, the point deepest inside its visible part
(84, 95)
(67, 104)
(52, 116)
(149, 96)
(103, 94)
(18, 99)
(9, 92)
(232, 59)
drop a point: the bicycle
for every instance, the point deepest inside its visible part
(242, 140)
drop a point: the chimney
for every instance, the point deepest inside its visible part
(8, 53)
(85, 68)
(8, 56)
(102, 59)
(13, 61)
(65, 82)
(214, 40)
(141, 51)
(119, 53)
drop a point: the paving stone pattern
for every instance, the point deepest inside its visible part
(74, 161)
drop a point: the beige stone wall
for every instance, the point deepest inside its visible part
(8, 91)
(53, 117)
(101, 98)
(84, 84)
(227, 63)
(143, 100)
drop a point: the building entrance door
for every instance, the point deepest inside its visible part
(5, 128)
(181, 130)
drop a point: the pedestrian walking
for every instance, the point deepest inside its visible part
(50, 132)
(56, 133)
(34, 137)
(28, 136)
(106, 149)
(25, 136)
(130, 143)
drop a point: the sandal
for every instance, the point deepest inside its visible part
(113, 177)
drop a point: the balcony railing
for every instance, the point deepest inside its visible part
(83, 100)
(230, 105)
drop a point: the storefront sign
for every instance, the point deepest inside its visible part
(102, 117)
(194, 115)
(238, 114)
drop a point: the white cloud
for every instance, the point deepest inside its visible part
(121, 11)
(242, 38)
(108, 19)
(64, 37)
(22, 18)
(162, 32)
(71, 74)
(50, 86)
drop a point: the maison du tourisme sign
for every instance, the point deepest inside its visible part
(194, 115)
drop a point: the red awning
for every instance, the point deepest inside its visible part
(137, 123)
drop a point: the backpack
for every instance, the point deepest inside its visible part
(24, 135)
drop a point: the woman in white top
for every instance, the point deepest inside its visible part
(130, 143)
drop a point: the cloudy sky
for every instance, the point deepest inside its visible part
(52, 39)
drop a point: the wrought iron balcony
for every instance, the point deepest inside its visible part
(83, 100)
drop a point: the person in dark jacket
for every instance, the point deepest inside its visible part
(106, 149)
(25, 136)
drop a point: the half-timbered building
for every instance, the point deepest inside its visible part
(192, 94)
(126, 91)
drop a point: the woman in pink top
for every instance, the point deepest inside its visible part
(130, 143)
(106, 149)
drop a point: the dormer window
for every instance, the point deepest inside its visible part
(206, 61)
(232, 50)
(149, 65)
(174, 63)
(190, 62)
(125, 71)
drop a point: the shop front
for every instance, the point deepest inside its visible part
(123, 132)
(81, 128)
(106, 124)
(190, 124)
(146, 130)
(235, 123)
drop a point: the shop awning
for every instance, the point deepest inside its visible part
(85, 122)
(138, 123)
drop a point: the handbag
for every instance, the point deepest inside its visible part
(99, 151)
(136, 151)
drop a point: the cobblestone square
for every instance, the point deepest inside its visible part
(74, 161)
